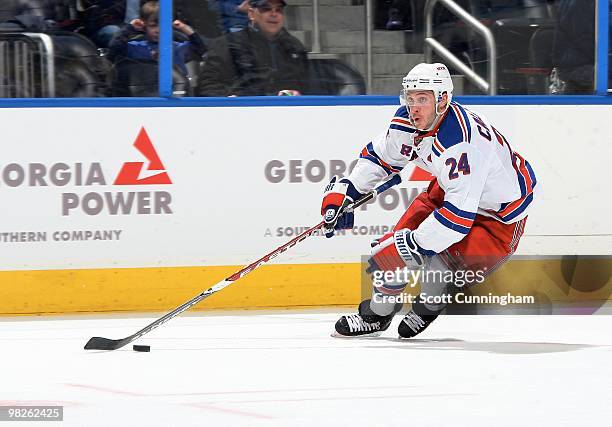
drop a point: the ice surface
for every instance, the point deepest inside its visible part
(284, 369)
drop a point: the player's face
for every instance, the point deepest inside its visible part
(270, 18)
(422, 108)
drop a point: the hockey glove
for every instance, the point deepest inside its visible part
(393, 251)
(337, 197)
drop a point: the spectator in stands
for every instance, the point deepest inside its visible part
(102, 19)
(198, 15)
(30, 15)
(573, 53)
(132, 10)
(139, 40)
(29, 23)
(400, 13)
(262, 59)
(233, 14)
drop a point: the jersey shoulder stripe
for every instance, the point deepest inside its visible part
(402, 112)
(401, 121)
(369, 154)
(455, 128)
(463, 120)
(436, 147)
(401, 124)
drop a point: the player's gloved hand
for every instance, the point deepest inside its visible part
(395, 250)
(334, 208)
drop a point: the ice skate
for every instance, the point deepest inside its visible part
(364, 324)
(413, 324)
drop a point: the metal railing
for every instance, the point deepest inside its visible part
(369, 18)
(316, 36)
(431, 43)
(27, 65)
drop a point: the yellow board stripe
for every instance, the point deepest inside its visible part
(272, 286)
(160, 289)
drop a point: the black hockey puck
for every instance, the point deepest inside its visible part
(145, 348)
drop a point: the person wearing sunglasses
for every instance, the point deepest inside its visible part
(261, 59)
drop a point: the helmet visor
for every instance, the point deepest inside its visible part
(417, 98)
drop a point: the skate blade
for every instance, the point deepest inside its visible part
(335, 334)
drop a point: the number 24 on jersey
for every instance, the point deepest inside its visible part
(462, 166)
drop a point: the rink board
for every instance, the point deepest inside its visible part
(553, 281)
(142, 215)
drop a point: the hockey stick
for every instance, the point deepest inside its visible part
(99, 343)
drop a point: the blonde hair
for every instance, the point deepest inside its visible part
(150, 11)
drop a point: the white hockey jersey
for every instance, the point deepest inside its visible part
(472, 162)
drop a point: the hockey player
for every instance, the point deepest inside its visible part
(471, 217)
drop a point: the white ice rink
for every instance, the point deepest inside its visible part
(283, 369)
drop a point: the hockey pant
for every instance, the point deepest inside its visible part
(488, 245)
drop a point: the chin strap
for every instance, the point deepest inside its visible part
(438, 120)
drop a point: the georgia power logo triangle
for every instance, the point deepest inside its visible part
(130, 173)
(419, 174)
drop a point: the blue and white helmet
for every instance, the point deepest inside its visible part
(433, 77)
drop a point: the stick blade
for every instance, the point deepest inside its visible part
(99, 343)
